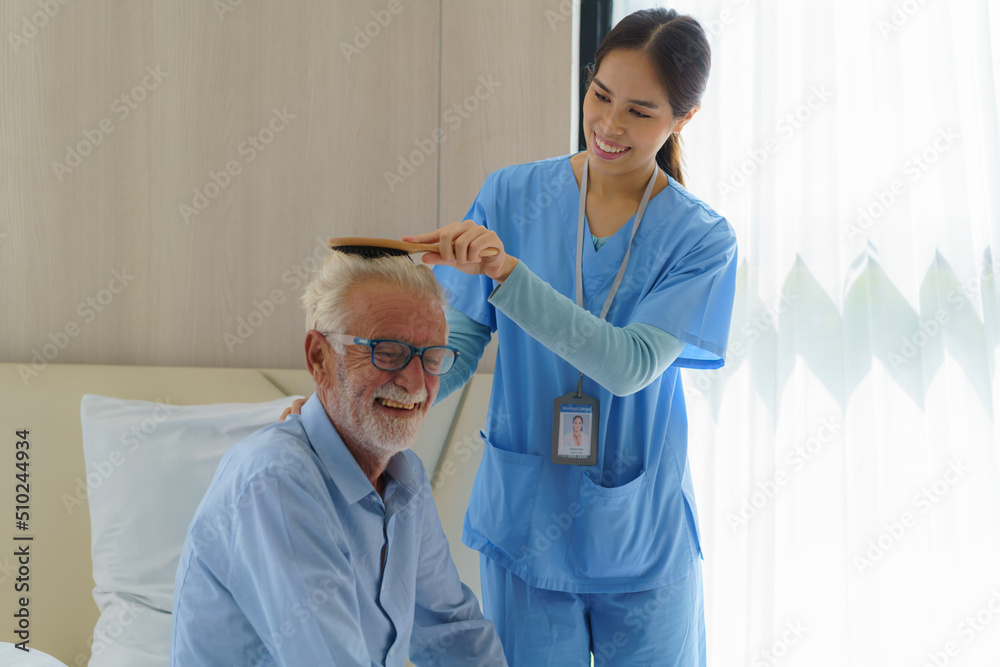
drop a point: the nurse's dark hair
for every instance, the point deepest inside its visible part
(678, 50)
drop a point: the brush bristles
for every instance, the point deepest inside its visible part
(371, 252)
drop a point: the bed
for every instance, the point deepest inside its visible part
(152, 437)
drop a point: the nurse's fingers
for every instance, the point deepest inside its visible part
(295, 409)
(473, 241)
(455, 239)
(444, 236)
(428, 237)
(482, 241)
(434, 259)
(468, 255)
(462, 244)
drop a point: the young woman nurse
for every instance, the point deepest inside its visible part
(610, 278)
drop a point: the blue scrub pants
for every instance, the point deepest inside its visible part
(538, 627)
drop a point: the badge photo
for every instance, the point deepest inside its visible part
(574, 430)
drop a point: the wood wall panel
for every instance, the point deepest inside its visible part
(525, 47)
(190, 282)
(517, 57)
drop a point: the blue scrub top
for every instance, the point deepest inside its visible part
(628, 523)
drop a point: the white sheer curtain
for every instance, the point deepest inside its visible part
(846, 458)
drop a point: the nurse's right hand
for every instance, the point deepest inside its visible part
(460, 246)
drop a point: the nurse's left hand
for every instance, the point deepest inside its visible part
(295, 409)
(461, 245)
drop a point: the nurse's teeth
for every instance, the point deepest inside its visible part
(608, 149)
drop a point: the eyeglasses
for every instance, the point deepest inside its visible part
(393, 355)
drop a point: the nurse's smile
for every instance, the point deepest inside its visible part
(608, 150)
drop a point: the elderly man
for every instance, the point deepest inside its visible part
(318, 542)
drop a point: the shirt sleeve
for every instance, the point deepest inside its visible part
(693, 298)
(448, 625)
(470, 338)
(621, 359)
(277, 521)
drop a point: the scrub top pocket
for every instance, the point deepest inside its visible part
(612, 539)
(504, 498)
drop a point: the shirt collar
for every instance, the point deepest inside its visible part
(340, 463)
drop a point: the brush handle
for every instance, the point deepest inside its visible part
(397, 245)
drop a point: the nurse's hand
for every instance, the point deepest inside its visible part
(461, 244)
(296, 409)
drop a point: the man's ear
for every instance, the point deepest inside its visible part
(318, 353)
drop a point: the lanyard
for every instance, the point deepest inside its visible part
(628, 250)
(576, 405)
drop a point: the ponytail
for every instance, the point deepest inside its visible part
(669, 158)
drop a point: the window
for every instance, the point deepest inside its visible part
(846, 457)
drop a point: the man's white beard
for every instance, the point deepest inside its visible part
(380, 434)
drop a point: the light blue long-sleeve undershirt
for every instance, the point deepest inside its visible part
(621, 359)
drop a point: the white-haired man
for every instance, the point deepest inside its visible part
(318, 542)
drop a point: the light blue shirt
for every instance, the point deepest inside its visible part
(629, 522)
(282, 564)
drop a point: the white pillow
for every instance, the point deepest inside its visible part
(15, 657)
(148, 466)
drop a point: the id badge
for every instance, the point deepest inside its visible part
(574, 429)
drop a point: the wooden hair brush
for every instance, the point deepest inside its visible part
(373, 248)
